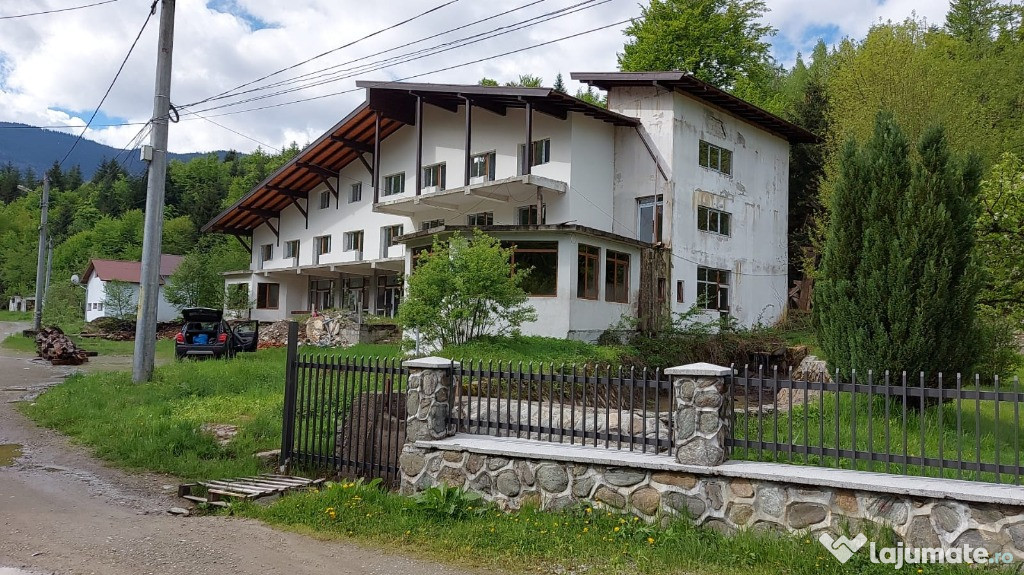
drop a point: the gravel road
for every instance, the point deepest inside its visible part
(61, 511)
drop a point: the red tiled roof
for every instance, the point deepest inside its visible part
(108, 270)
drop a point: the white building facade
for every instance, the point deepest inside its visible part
(668, 197)
(99, 273)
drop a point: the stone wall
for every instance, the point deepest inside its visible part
(717, 502)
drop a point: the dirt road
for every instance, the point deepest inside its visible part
(63, 512)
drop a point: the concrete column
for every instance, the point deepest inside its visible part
(430, 388)
(701, 413)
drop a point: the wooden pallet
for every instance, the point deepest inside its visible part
(249, 488)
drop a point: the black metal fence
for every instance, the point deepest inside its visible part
(600, 406)
(344, 415)
(921, 425)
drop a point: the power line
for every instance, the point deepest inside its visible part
(56, 10)
(331, 51)
(432, 51)
(69, 126)
(444, 69)
(322, 71)
(152, 11)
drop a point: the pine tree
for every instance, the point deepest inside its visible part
(898, 284)
(559, 84)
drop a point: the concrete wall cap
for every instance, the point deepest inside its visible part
(430, 363)
(701, 369)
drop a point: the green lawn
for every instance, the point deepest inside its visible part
(6, 315)
(164, 347)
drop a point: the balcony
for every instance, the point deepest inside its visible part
(508, 191)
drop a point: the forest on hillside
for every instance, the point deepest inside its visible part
(964, 75)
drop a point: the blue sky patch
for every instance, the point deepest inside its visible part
(232, 7)
(100, 120)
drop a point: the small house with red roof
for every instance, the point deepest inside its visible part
(99, 272)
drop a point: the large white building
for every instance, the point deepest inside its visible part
(99, 273)
(676, 193)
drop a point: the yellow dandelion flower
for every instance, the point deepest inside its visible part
(586, 529)
(650, 540)
(616, 529)
(589, 510)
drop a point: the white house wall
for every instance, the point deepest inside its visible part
(95, 293)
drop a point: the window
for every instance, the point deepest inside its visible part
(481, 167)
(527, 215)
(433, 176)
(480, 219)
(616, 277)
(266, 252)
(355, 194)
(353, 241)
(431, 224)
(679, 291)
(715, 158)
(542, 260)
(321, 294)
(322, 244)
(540, 153)
(712, 220)
(713, 288)
(394, 184)
(325, 199)
(100, 306)
(389, 294)
(649, 213)
(291, 249)
(662, 290)
(387, 238)
(586, 271)
(354, 294)
(267, 295)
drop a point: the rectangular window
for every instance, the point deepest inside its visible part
(354, 294)
(267, 295)
(355, 194)
(712, 220)
(266, 252)
(291, 249)
(616, 277)
(679, 291)
(389, 233)
(433, 176)
(431, 224)
(389, 294)
(649, 214)
(527, 215)
(713, 288)
(353, 241)
(542, 260)
(321, 294)
(481, 167)
(325, 199)
(394, 184)
(480, 219)
(715, 158)
(540, 153)
(322, 245)
(587, 276)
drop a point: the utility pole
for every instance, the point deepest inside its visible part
(44, 206)
(149, 292)
(49, 265)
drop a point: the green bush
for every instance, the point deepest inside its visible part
(998, 352)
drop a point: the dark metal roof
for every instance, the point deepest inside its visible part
(497, 99)
(685, 83)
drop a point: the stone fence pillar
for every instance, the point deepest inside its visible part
(701, 413)
(427, 403)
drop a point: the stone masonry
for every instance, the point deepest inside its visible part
(701, 413)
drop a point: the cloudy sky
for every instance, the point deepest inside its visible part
(55, 68)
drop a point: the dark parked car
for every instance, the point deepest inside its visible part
(206, 334)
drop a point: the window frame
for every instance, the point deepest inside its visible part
(475, 219)
(657, 202)
(588, 258)
(355, 193)
(266, 253)
(290, 253)
(349, 243)
(706, 215)
(393, 190)
(320, 243)
(427, 225)
(436, 173)
(704, 286)
(715, 158)
(536, 247)
(531, 209)
(325, 199)
(263, 299)
(540, 153)
(616, 262)
(490, 159)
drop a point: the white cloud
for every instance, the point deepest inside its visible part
(66, 60)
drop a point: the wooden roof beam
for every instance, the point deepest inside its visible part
(318, 170)
(260, 212)
(354, 144)
(286, 191)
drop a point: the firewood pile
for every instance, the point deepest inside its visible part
(57, 348)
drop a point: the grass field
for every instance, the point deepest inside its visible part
(6, 315)
(164, 347)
